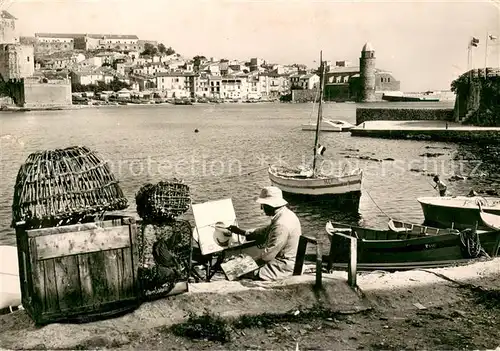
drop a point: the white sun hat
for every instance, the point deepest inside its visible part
(272, 196)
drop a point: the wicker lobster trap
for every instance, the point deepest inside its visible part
(164, 242)
(163, 202)
(64, 186)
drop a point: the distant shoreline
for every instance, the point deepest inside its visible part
(10, 109)
(81, 106)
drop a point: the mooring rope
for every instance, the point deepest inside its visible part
(471, 244)
(371, 198)
(241, 175)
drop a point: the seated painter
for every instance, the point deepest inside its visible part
(279, 239)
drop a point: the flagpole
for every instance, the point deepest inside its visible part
(469, 59)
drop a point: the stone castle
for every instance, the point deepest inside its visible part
(17, 72)
(363, 83)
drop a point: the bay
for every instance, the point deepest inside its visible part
(228, 156)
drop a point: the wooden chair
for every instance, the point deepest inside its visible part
(351, 265)
(301, 254)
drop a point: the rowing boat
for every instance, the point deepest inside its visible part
(422, 230)
(407, 250)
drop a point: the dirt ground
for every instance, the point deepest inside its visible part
(461, 326)
(433, 309)
(452, 317)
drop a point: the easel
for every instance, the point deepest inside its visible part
(206, 216)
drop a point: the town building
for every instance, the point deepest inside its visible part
(234, 87)
(306, 81)
(49, 43)
(278, 84)
(60, 60)
(177, 85)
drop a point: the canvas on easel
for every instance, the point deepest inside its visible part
(210, 220)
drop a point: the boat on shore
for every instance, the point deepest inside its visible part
(458, 212)
(329, 125)
(313, 182)
(405, 227)
(182, 102)
(389, 250)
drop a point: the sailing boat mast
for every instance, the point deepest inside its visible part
(320, 110)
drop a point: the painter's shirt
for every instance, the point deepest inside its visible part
(280, 241)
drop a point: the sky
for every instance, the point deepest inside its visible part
(423, 43)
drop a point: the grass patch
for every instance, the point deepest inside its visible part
(296, 316)
(214, 328)
(205, 327)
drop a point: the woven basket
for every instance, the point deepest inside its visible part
(162, 202)
(64, 186)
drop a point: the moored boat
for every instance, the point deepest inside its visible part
(458, 211)
(385, 249)
(182, 102)
(490, 220)
(401, 97)
(405, 227)
(329, 125)
(302, 182)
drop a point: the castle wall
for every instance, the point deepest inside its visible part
(304, 95)
(337, 92)
(55, 93)
(41, 93)
(403, 114)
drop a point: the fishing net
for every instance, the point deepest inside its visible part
(164, 242)
(64, 186)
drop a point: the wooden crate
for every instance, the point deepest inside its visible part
(79, 272)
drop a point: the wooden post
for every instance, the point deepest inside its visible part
(319, 266)
(352, 265)
(329, 264)
(301, 253)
